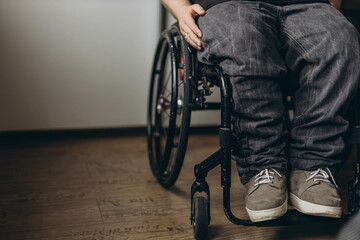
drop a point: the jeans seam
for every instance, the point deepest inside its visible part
(309, 77)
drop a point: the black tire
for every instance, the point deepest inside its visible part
(168, 119)
(201, 218)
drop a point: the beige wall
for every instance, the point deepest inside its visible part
(78, 64)
(75, 63)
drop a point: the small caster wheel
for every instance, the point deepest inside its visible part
(201, 218)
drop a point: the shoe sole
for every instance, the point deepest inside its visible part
(314, 209)
(267, 214)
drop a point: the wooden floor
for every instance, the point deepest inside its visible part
(102, 188)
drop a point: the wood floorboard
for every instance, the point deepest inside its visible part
(102, 188)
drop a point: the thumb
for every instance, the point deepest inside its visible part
(197, 10)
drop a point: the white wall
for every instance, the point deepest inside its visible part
(75, 63)
(72, 64)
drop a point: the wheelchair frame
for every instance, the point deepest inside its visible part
(196, 75)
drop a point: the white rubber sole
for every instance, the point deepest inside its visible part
(267, 214)
(314, 209)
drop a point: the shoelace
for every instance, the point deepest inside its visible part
(322, 175)
(265, 176)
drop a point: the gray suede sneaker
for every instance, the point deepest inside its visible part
(314, 193)
(266, 196)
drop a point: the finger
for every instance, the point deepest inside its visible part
(192, 43)
(194, 28)
(189, 40)
(191, 35)
(198, 9)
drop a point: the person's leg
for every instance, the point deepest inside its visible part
(322, 48)
(242, 38)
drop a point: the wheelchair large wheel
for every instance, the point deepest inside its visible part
(169, 114)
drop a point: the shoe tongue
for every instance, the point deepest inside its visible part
(251, 185)
(319, 175)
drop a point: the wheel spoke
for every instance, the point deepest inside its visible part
(167, 81)
(167, 115)
(167, 96)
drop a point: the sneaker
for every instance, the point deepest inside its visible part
(314, 193)
(266, 196)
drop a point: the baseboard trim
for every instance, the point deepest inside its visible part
(7, 137)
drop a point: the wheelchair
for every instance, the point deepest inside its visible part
(179, 85)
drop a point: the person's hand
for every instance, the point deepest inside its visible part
(186, 17)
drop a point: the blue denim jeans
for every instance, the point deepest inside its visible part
(259, 45)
